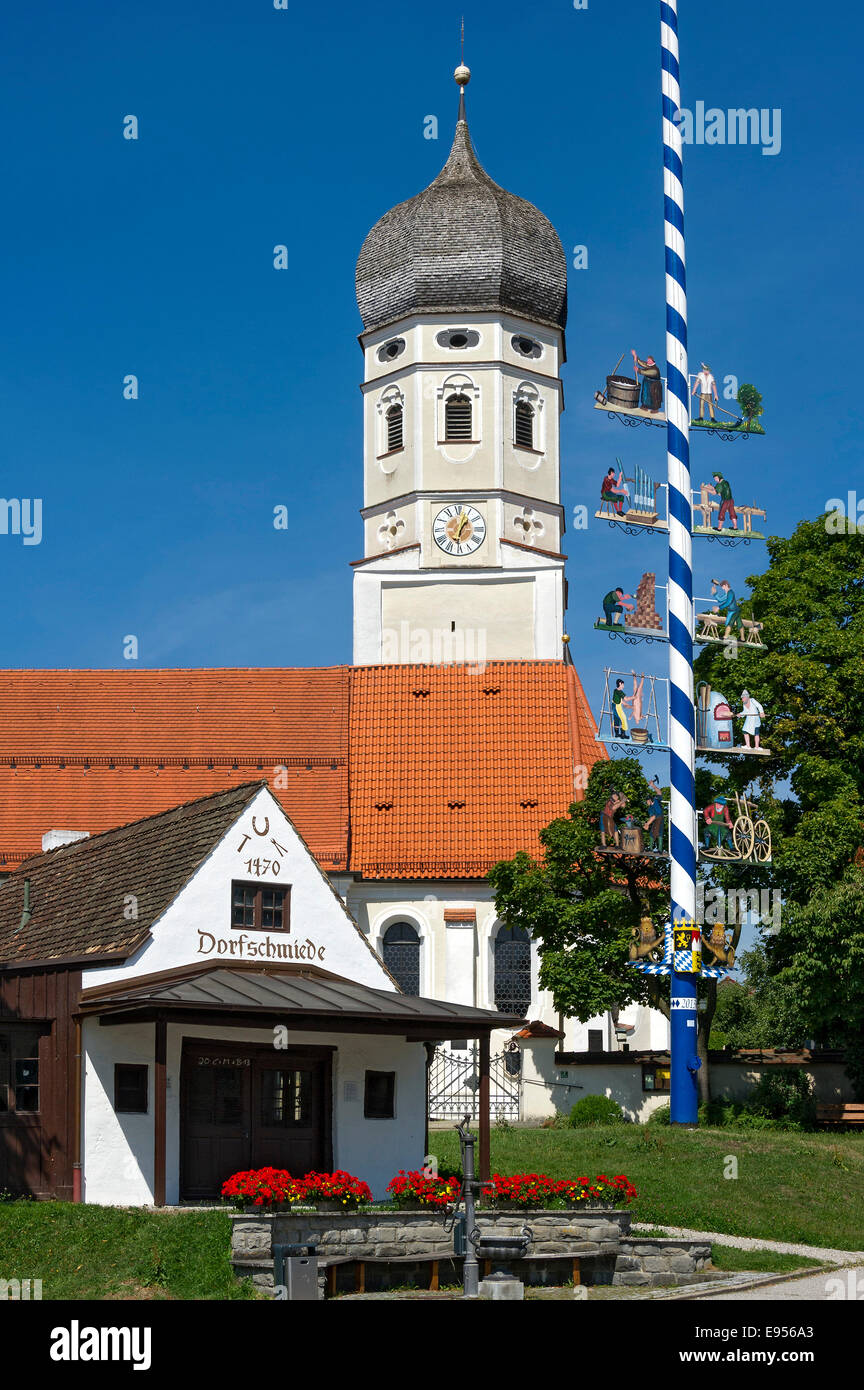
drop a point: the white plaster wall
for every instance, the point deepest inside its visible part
(118, 1149)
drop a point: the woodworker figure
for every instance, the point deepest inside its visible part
(727, 604)
(724, 492)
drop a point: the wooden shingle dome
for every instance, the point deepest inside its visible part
(464, 243)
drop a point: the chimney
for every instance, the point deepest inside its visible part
(52, 839)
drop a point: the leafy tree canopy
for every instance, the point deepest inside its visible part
(582, 906)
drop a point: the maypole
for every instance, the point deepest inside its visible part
(682, 810)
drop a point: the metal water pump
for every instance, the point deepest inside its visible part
(468, 1240)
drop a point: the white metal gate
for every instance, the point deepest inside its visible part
(454, 1084)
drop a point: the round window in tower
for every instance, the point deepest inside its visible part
(458, 339)
(526, 347)
(389, 351)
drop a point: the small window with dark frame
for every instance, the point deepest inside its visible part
(394, 429)
(379, 1095)
(130, 1088)
(595, 1039)
(524, 429)
(259, 907)
(458, 418)
(19, 1071)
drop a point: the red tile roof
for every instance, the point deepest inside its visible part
(453, 769)
(89, 750)
(441, 784)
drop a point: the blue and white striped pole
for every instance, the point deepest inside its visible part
(682, 810)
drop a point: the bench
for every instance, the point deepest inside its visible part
(832, 1116)
(330, 1264)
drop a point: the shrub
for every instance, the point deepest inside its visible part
(596, 1110)
(661, 1116)
(786, 1097)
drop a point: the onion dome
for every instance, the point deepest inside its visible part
(462, 244)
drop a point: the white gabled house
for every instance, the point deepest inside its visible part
(227, 1011)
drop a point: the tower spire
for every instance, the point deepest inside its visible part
(462, 75)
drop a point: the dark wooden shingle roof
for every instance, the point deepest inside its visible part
(464, 243)
(100, 897)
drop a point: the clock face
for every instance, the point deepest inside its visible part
(459, 529)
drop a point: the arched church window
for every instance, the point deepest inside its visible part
(401, 954)
(394, 428)
(512, 960)
(524, 430)
(457, 418)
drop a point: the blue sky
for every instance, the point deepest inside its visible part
(301, 127)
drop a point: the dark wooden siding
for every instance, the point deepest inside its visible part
(36, 1151)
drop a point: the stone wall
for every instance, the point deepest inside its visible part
(654, 1261)
(599, 1239)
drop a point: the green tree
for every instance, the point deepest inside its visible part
(750, 401)
(583, 908)
(808, 974)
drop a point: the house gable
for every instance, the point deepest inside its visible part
(261, 847)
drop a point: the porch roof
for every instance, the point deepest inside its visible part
(303, 998)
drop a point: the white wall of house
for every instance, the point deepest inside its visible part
(623, 1082)
(118, 1150)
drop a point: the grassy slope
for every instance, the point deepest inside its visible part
(794, 1187)
(91, 1252)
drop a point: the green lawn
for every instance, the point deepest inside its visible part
(759, 1261)
(790, 1186)
(91, 1252)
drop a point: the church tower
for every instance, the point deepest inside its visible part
(463, 295)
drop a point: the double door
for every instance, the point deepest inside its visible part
(251, 1107)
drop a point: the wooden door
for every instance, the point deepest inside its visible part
(251, 1107)
(288, 1122)
(216, 1118)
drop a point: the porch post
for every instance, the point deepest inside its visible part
(76, 1064)
(483, 1107)
(159, 1111)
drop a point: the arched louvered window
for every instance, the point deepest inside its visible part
(402, 956)
(524, 425)
(457, 418)
(394, 428)
(513, 970)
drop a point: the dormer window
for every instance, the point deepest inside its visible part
(457, 418)
(394, 428)
(524, 425)
(388, 352)
(526, 347)
(458, 339)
